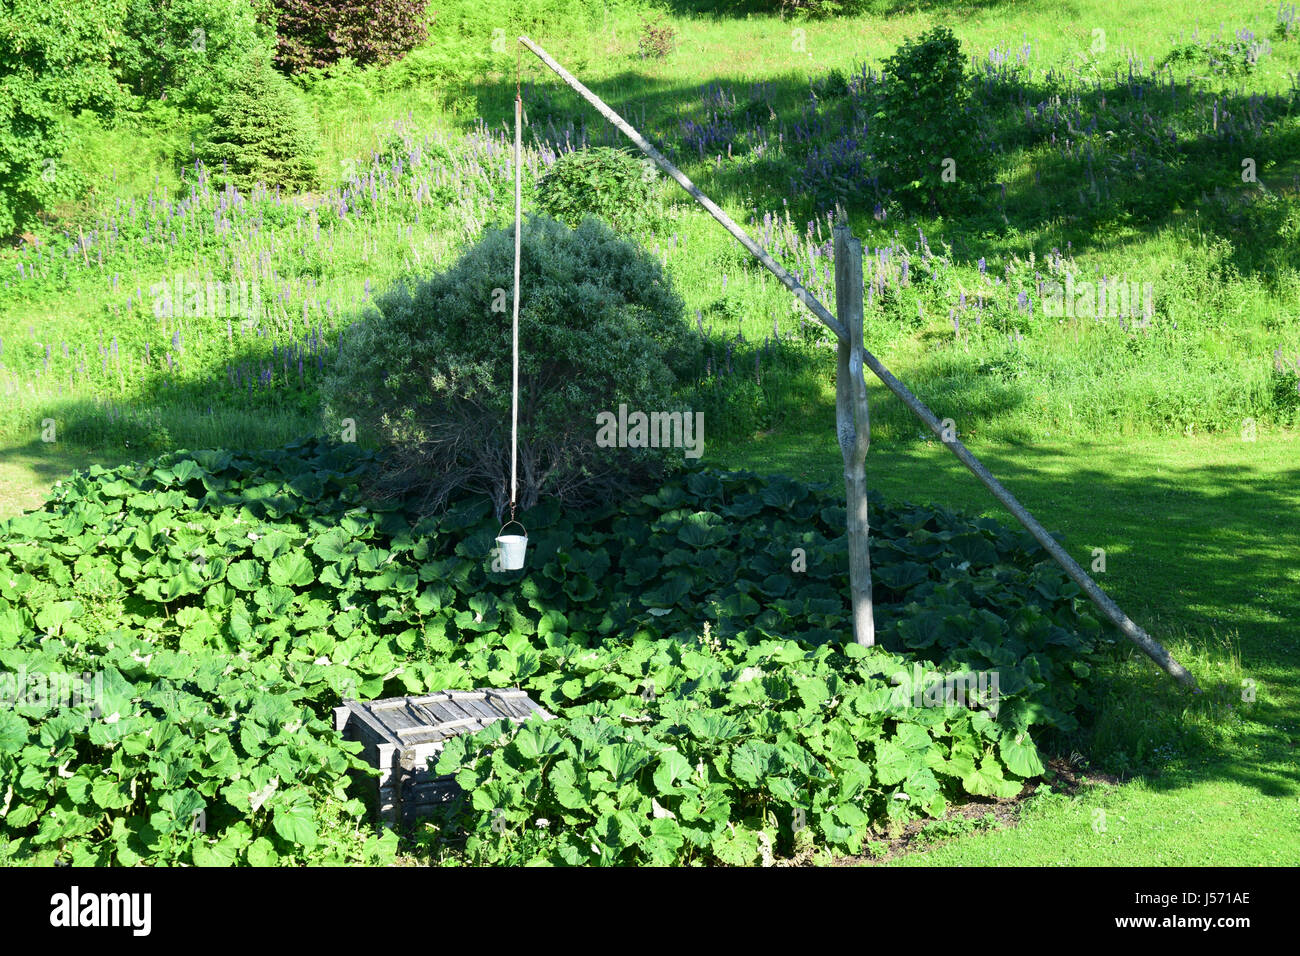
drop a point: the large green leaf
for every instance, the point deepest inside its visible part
(294, 818)
(244, 575)
(293, 569)
(1021, 755)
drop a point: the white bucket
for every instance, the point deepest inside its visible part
(512, 548)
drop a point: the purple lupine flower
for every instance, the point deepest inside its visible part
(983, 267)
(1023, 301)
(176, 340)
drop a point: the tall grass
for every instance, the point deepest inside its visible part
(418, 161)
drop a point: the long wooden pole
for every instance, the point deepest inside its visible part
(1149, 645)
(514, 306)
(853, 428)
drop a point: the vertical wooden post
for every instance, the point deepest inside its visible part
(853, 426)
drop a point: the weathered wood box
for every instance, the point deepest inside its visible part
(403, 737)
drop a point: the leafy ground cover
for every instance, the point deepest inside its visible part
(229, 600)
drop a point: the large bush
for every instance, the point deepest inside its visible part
(190, 51)
(430, 374)
(318, 33)
(53, 60)
(608, 183)
(925, 117)
(261, 133)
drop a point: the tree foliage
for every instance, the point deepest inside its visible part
(319, 33)
(925, 124)
(54, 59)
(261, 133)
(191, 51)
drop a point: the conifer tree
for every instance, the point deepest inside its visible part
(261, 133)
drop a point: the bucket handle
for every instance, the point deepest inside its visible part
(509, 523)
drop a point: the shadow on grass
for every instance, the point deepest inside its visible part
(1199, 552)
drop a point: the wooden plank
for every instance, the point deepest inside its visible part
(479, 707)
(366, 724)
(341, 716)
(398, 719)
(853, 427)
(443, 711)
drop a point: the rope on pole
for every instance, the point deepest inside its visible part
(514, 326)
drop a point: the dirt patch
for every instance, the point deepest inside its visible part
(978, 816)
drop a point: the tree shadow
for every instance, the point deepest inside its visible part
(1197, 554)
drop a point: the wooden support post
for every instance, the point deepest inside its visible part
(1109, 609)
(853, 426)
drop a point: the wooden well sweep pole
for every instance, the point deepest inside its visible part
(1149, 645)
(853, 428)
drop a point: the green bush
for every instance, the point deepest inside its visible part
(261, 133)
(53, 60)
(429, 375)
(190, 51)
(607, 183)
(925, 116)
